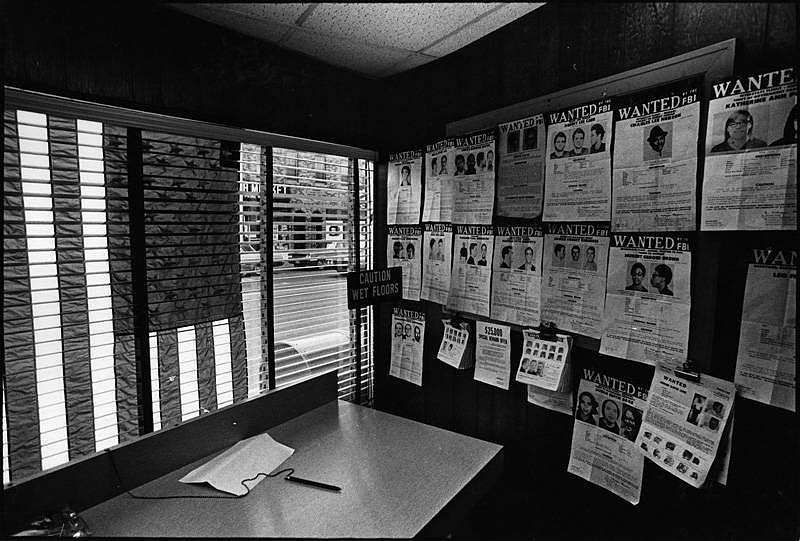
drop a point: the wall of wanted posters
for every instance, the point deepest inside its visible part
(586, 218)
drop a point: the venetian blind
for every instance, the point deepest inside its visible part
(314, 245)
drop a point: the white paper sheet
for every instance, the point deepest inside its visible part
(244, 460)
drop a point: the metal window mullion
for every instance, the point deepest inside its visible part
(357, 243)
(267, 277)
(141, 327)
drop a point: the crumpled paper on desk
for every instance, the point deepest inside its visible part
(244, 460)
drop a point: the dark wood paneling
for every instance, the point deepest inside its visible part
(553, 48)
(149, 57)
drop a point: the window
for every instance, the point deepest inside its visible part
(112, 213)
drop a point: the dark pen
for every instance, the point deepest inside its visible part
(312, 483)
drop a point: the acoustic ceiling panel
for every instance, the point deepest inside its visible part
(373, 39)
(405, 26)
(480, 27)
(360, 57)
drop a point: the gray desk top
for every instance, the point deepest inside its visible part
(396, 475)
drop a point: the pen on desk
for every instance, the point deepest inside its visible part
(312, 483)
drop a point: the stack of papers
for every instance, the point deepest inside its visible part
(455, 348)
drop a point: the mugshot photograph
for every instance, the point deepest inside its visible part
(655, 145)
(597, 134)
(609, 420)
(586, 410)
(559, 146)
(530, 138)
(512, 142)
(738, 133)
(578, 138)
(638, 272)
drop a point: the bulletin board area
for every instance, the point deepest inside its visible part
(537, 496)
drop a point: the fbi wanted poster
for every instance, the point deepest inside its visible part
(578, 164)
(648, 302)
(520, 169)
(408, 336)
(575, 256)
(750, 178)
(517, 274)
(472, 269)
(683, 423)
(607, 419)
(766, 360)
(438, 206)
(404, 188)
(655, 161)
(403, 250)
(437, 243)
(473, 178)
(492, 354)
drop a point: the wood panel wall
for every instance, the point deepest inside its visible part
(556, 47)
(149, 57)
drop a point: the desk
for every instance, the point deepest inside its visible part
(399, 478)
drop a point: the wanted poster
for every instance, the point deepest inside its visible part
(438, 205)
(408, 338)
(608, 416)
(453, 347)
(750, 178)
(683, 423)
(472, 269)
(437, 244)
(765, 363)
(473, 178)
(492, 354)
(545, 363)
(403, 250)
(520, 169)
(655, 160)
(517, 274)
(404, 188)
(574, 276)
(578, 164)
(648, 301)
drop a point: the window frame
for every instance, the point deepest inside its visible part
(20, 99)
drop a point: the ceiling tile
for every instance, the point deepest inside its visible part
(404, 26)
(273, 32)
(413, 60)
(366, 59)
(481, 27)
(282, 13)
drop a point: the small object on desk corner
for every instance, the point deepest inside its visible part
(311, 483)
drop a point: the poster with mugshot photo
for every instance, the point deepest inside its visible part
(655, 159)
(578, 163)
(404, 188)
(517, 274)
(574, 259)
(437, 245)
(545, 363)
(408, 340)
(520, 168)
(750, 174)
(473, 248)
(453, 349)
(646, 316)
(683, 424)
(403, 246)
(438, 205)
(608, 418)
(474, 178)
